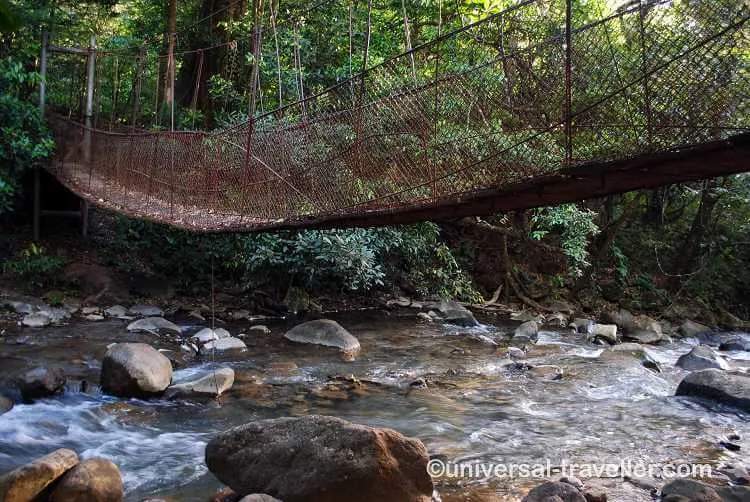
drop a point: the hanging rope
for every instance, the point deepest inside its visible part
(274, 13)
(351, 42)
(298, 71)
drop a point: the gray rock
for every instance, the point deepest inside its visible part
(316, 459)
(721, 386)
(606, 332)
(29, 482)
(425, 316)
(736, 473)
(145, 311)
(689, 329)
(89, 310)
(701, 357)
(525, 316)
(135, 370)
(582, 325)
(41, 382)
(94, 317)
(735, 343)
(19, 307)
(213, 383)
(528, 331)
(93, 480)
(207, 334)
(455, 313)
(36, 320)
(153, 324)
(554, 491)
(260, 328)
(557, 319)
(116, 311)
(324, 332)
(259, 497)
(688, 490)
(222, 344)
(622, 318)
(646, 336)
(55, 314)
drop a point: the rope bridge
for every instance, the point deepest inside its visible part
(533, 105)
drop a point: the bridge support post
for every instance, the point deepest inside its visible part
(90, 68)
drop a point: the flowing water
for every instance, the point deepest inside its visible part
(607, 406)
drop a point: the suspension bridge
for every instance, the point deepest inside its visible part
(530, 106)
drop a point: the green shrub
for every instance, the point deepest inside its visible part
(34, 266)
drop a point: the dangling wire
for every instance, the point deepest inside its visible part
(275, 13)
(351, 43)
(298, 68)
(115, 89)
(407, 41)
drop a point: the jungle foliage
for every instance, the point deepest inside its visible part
(643, 249)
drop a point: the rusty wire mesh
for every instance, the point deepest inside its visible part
(478, 110)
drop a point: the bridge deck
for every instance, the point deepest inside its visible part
(707, 160)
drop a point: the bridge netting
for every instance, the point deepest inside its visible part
(532, 91)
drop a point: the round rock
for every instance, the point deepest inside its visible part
(41, 382)
(135, 370)
(29, 481)
(94, 480)
(320, 459)
(701, 357)
(324, 332)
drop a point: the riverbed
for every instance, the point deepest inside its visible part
(449, 386)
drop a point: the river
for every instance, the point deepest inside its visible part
(606, 407)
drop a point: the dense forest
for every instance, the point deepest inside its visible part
(646, 250)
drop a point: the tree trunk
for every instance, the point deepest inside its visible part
(690, 251)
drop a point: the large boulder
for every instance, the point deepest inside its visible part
(690, 329)
(721, 386)
(41, 382)
(135, 370)
(324, 332)
(320, 459)
(555, 491)
(688, 490)
(455, 313)
(527, 332)
(29, 481)
(94, 480)
(213, 383)
(701, 357)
